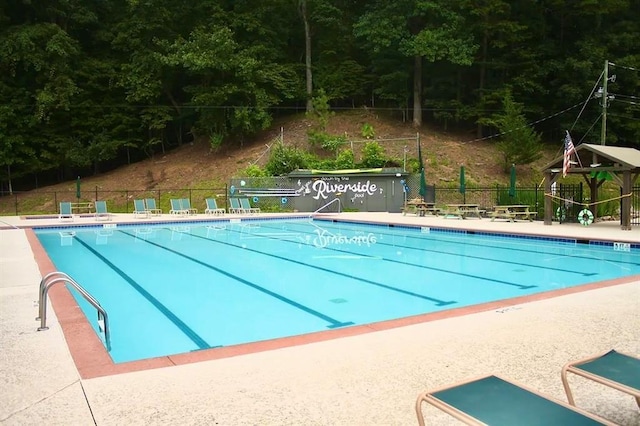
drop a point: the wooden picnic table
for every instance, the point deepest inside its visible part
(420, 208)
(463, 211)
(81, 207)
(513, 212)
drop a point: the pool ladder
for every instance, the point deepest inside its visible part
(328, 204)
(57, 277)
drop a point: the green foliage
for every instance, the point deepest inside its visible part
(285, 159)
(519, 143)
(367, 131)
(86, 84)
(215, 140)
(373, 155)
(413, 165)
(326, 141)
(321, 112)
(345, 160)
(253, 170)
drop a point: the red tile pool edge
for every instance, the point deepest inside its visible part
(92, 360)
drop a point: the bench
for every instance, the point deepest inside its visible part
(420, 208)
(463, 211)
(82, 207)
(512, 213)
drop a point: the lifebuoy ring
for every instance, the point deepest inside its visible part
(284, 200)
(561, 214)
(585, 217)
(255, 199)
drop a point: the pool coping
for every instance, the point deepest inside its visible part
(92, 360)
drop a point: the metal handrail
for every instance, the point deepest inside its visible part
(329, 203)
(7, 223)
(56, 277)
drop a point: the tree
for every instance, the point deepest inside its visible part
(519, 143)
(432, 30)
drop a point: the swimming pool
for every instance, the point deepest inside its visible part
(175, 288)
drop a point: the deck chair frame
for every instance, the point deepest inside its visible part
(186, 206)
(176, 206)
(235, 206)
(246, 206)
(212, 207)
(429, 398)
(66, 212)
(574, 367)
(151, 207)
(139, 209)
(102, 213)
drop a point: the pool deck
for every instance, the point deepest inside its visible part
(370, 378)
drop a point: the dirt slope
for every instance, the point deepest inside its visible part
(197, 165)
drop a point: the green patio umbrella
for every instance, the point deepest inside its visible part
(463, 187)
(78, 188)
(512, 181)
(423, 181)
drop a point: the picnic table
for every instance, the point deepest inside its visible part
(463, 211)
(420, 208)
(81, 207)
(513, 212)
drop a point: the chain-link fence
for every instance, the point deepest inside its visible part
(276, 194)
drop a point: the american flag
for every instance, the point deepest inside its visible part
(568, 150)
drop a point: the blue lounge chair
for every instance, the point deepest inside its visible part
(186, 206)
(176, 206)
(212, 207)
(246, 206)
(235, 206)
(614, 369)
(152, 208)
(494, 401)
(65, 212)
(139, 209)
(101, 211)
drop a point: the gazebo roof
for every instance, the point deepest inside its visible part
(600, 158)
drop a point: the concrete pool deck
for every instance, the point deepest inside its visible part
(367, 379)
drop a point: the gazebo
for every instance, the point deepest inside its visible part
(622, 164)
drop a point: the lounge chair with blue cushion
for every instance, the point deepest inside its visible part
(212, 207)
(139, 209)
(152, 208)
(186, 206)
(65, 212)
(235, 206)
(176, 206)
(614, 369)
(246, 206)
(494, 401)
(101, 211)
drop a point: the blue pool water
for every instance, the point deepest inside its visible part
(174, 288)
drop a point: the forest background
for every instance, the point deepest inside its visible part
(87, 86)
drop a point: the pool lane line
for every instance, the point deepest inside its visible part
(430, 268)
(191, 334)
(584, 274)
(437, 302)
(333, 322)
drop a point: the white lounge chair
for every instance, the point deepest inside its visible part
(152, 209)
(101, 211)
(139, 209)
(246, 206)
(66, 214)
(212, 207)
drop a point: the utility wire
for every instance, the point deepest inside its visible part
(617, 95)
(587, 100)
(522, 127)
(624, 67)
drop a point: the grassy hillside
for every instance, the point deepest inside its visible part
(196, 165)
